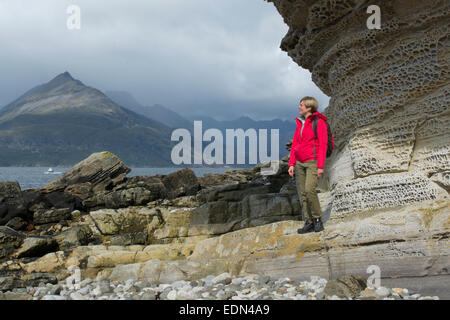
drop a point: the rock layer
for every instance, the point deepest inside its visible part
(243, 227)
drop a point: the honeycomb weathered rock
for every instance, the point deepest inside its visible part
(390, 93)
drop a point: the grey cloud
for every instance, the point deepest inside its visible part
(214, 57)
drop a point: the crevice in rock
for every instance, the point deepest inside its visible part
(330, 266)
(413, 149)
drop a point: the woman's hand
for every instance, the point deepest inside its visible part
(291, 171)
(319, 173)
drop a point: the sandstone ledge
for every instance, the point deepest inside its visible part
(411, 242)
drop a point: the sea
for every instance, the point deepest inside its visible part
(38, 177)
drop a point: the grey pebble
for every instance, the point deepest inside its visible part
(77, 296)
(85, 290)
(148, 296)
(382, 292)
(222, 287)
(263, 280)
(53, 297)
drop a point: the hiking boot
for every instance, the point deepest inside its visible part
(318, 225)
(308, 227)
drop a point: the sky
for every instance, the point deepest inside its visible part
(219, 58)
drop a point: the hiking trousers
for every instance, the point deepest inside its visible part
(306, 183)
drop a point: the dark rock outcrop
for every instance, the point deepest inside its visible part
(38, 199)
(73, 237)
(134, 191)
(10, 241)
(11, 202)
(52, 215)
(17, 223)
(181, 183)
(36, 247)
(99, 172)
(28, 280)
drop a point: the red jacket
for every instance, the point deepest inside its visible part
(305, 147)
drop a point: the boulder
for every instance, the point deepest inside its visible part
(134, 191)
(52, 215)
(100, 181)
(156, 271)
(128, 239)
(238, 206)
(258, 206)
(121, 198)
(99, 172)
(11, 202)
(181, 183)
(233, 192)
(49, 207)
(35, 278)
(347, 286)
(15, 296)
(152, 184)
(10, 240)
(49, 263)
(17, 223)
(36, 247)
(211, 181)
(73, 237)
(126, 220)
(9, 282)
(35, 199)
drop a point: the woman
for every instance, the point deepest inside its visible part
(308, 156)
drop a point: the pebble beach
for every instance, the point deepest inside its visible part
(221, 287)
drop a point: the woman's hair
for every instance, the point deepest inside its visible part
(310, 102)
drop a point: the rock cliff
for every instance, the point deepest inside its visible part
(389, 92)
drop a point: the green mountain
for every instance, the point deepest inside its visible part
(63, 121)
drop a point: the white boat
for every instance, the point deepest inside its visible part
(50, 171)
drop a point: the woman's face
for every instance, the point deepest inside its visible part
(302, 109)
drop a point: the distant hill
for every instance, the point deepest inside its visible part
(169, 117)
(156, 112)
(63, 121)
